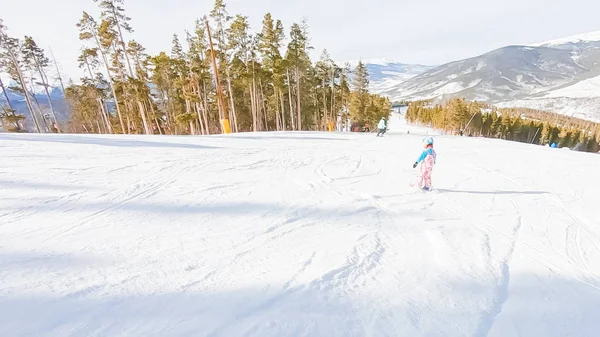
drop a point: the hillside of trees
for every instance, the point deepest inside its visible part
(517, 124)
(267, 79)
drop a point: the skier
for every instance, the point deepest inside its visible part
(427, 160)
(381, 127)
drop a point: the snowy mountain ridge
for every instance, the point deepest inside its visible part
(385, 74)
(37, 88)
(561, 75)
(578, 38)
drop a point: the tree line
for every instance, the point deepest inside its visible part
(459, 116)
(27, 64)
(265, 84)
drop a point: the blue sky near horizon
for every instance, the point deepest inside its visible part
(418, 31)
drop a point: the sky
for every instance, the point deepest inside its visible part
(430, 32)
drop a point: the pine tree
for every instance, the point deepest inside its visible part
(269, 42)
(241, 45)
(299, 62)
(114, 14)
(458, 113)
(360, 95)
(88, 60)
(222, 18)
(325, 71)
(89, 30)
(11, 60)
(546, 133)
(344, 94)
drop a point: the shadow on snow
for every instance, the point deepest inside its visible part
(498, 192)
(102, 141)
(317, 307)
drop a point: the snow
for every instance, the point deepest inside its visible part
(295, 234)
(585, 37)
(480, 65)
(585, 108)
(587, 88)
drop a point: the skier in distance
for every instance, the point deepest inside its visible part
(427, 160)
(381, 127)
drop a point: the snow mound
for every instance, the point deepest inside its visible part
(295, 234)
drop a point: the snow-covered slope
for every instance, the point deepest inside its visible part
(295, 234)
(559, 75)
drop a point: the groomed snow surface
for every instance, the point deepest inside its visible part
(295, 234)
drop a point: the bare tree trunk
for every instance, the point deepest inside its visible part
(197, 107)
(116, 18)
(282, 111)
(251, 90)
(167, 103)
(277, 117)
(262, 101)
(149, 103)
(52, 112)
(60, 80)
(325, 113)
(158, 126)
(317, 117)
(128, 124)
(297, 75)
(333, 113)
(205, 111)
(45, 84)
(129, 108)
(110, 82)
(201, 123)
(143, 114)
(25, 91)
(255, 102)
(37, 103)
(98, 98)
(290, 97)
(104, 114)
(232, 112)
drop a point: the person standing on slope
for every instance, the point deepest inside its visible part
(427, 160)
(381, 127)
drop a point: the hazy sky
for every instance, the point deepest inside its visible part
(415, 31)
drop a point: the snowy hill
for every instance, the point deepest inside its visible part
(558, 75)
(295, 234)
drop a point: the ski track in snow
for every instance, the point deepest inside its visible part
(296, 234)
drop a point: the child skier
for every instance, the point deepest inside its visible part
(427, 160)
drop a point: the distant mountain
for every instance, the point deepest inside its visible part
(18, 102)
(562, 75)
(386, 74)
